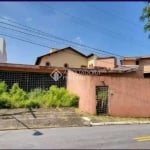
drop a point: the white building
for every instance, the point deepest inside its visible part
(3, 54)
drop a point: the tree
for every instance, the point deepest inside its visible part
(146, 17)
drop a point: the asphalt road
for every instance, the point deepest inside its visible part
(111, 136)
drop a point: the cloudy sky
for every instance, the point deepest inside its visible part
(108, 26)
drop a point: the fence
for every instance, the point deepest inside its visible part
(29, 79)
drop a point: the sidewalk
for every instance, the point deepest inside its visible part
(12, 119)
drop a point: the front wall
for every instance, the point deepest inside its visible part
(127, 96)
(59, 59)
(79, 85)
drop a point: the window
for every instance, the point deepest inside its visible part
(137, 62)
(83, 66)
(66, 65)
(90, 65)
(47, 63)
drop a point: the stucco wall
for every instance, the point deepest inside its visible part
(127, 96)
(128, 62)
(106, 62)
(92, 60)
(135, 74)
(145, 65)
(59, 59)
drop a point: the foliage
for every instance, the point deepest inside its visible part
(146, 17)
(4, 96)
(18, 96)
(59, 97)
(3, 87)
(37, 98)
(5, 101)
(103, 95)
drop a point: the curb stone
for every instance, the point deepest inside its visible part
(89, 123)
(118, 123)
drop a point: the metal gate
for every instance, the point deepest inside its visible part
(102, 99)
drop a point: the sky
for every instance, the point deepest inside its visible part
(103, 26)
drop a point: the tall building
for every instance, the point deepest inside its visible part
(3, 54)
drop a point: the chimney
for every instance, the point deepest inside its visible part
(53, 50)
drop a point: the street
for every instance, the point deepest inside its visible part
(111, 136)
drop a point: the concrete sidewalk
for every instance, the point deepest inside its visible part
(39, 118)
(12, 119)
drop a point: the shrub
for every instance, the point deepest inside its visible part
(32, 104)
(18, 96)
(5, 101)
(35, 98)
(3, 87)
(57, 97)
(4, 96)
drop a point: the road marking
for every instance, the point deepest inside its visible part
(142, 138)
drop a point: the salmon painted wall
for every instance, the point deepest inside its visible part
(127, 96)
(106, 62)
(128, 62)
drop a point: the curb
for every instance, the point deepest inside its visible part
(118, 123)
(89, 123)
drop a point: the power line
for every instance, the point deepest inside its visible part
(48, 39)
(28, 34)
(13, 37)
(62, 39)
(24, 40)
(34, 35)
(51, 47)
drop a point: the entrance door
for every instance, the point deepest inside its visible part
(102, 99)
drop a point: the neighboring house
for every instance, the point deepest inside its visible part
(143, 62)
(107, 62)
(69, 57)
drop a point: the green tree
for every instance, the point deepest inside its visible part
(145, 17)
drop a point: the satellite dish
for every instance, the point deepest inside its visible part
(3, 54)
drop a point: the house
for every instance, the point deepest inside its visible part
(102, 85)
(143, 62)
(71, 58)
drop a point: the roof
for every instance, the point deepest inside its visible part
(119, 70)
(106, 57)
(29, 68)
(84, 71)
(126, 68)
(135, 58)
(60, 50)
